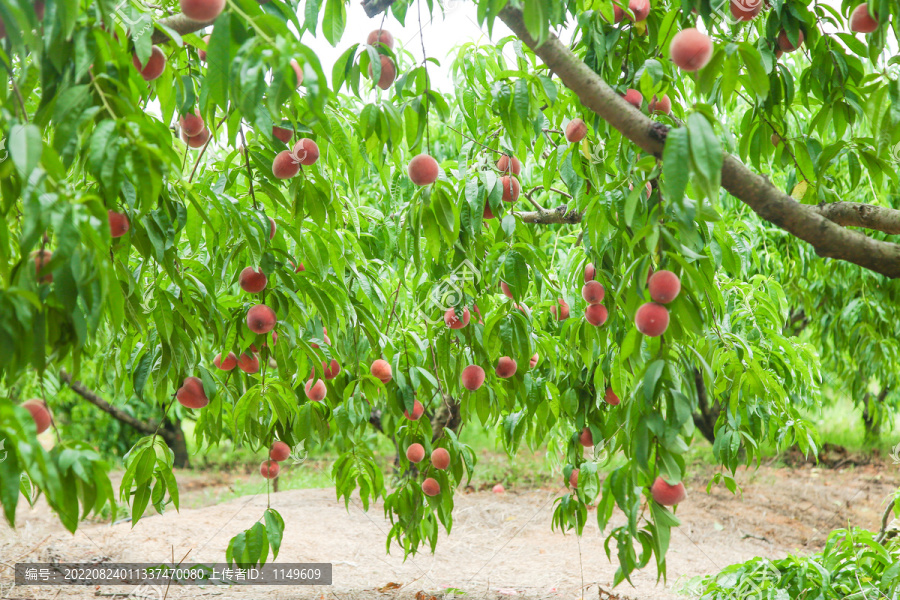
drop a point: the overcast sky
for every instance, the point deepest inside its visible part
(456, 25)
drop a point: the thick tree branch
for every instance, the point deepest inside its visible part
(855, 214)
(560, 214)
(179, 24)
(118, 414)
(828, 238)
(373, 7)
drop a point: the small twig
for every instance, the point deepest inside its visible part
(15, 85)
(884, 521)
(538, 188)
(394, 309)
(247, 162)
(203, 151)
(474, 140)
(102, 95)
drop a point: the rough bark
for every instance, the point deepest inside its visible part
(805, 222)
(447, 415)
(170, 431)
(560, 214)
(374, 7)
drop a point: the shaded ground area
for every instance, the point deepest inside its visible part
(501, 546)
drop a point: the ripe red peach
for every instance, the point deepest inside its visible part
(862, 21)
(331, 370)
(388, 72)
(506, 367)
(282, 133)
(269, 469)
(418, 411)
(586, 438)
(431, 487)
(306, 152)
(563, 313)
(786, 45)
(589, 272)
(39, 413)
(652, 319)
(504, 287)
(634, 98)
(155, 66)
(197, 141)
(666, 494)
(279, 451)
(576, 130)
(440, 459)
(640, 8)
(423, 170)
(593, 292)
(252, 281)
(498, 489)
(228, 364)
(381, 36)
(453, 321)
(202, 10)
(261, 319)
(284, 166)
(487, 213)
(745, 10)
(511, 188)
(191, 393)
(472, 377)
(415, 453)
(610, 397)
(380, 369)
(573, 479)
(664, 286)
(534, 360)
(315, 391)
(661, 105)
(248, 363)
(596, 314)
(192, 123)
(272, 227)
(691, 49)
(512, 167)
(118, 223)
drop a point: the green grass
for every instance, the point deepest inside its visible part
(840, 423)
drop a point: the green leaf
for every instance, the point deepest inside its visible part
(25, 148)
(676, 165)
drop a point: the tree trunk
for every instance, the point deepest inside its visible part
(705, 420)
(174, 436)
(872, 418)
(446, 415)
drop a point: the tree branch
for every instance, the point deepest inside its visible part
(116, 413)
(180, 24)
(373, 7)
(856, 214)
(884, 521)
(552, 216)
(827, 238)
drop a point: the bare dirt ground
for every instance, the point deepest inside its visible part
(501, 546)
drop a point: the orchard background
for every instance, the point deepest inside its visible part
(639, 244)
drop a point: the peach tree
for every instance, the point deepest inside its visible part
(581, 245)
